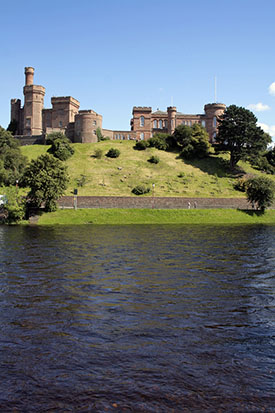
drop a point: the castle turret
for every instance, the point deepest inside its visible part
(212, 113)
(141, 122)
(29, 72)
(86, 124)
(33, 105)
(172, 110)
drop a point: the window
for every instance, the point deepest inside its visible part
(203, 123)
(28, 122)
(94, 122)
(94, 132)
(142, 121)
(214, 121)
(160, 124)
(142, 136)
(165, 124)
(214, 137)
(183, 122)
(155, 124)
(128, 137)
(60, 124)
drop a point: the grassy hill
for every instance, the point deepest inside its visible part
(172, 176)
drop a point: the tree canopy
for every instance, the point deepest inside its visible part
(239, 135)
(60, 146)
(260, 191)
(12, 162)
(192, 141)
(47, 178)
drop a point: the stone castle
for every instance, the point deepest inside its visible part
(34, 122)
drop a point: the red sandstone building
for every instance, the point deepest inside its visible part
(34, 122)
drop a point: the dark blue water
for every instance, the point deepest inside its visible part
(137, 318)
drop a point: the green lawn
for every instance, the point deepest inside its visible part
(117, 177)
(158, 216)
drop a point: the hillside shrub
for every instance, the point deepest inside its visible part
(60, 146)
(153, 159)
(159, 141)
(98, 153)
(141, 145)
(140, 190)
(113, 153)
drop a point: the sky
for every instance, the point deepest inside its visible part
(112, 55)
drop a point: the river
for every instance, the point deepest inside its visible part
(137, 319)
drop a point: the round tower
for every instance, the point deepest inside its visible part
(29, 72)
(86, 124)
(212, 113)
(171, 110)
(33, 105)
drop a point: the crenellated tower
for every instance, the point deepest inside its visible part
(33, 105)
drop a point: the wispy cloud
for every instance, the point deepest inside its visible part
(258, 107)
(271, 89)
(268, 128)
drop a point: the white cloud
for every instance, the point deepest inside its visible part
(271, 89)
(258, 107)
(268, 128)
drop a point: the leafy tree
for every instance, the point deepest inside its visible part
(99, 134)
(260, 191)
(60, 146)
(12, 162)
(192, 141)
(47, 178)
(159, 141)
(239, 135)
(13, 127)
(270, 156)
(15, 208)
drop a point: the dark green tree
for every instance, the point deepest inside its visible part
(239, 135)
(99, 134)
(12, 162)
(60, 146)
(47, 178)
(13, 127)
(192, 141)
(260, 192)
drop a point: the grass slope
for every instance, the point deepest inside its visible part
(114, 177)
(158, 216)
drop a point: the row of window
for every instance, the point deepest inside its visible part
(160, 124)
(119, 136)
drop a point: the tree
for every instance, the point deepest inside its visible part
(13, 127)
(47, 178)
(99, 134)
(60, 146)
(239, 135)
(260, 191)
(12, 162)
(193, 141)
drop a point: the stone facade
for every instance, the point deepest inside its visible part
(33, 120)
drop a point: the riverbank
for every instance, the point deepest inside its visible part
(155, 216)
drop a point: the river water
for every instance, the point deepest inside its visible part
(137, 318)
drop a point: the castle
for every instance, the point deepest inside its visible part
(34, 122)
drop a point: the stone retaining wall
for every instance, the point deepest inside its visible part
(152, 202)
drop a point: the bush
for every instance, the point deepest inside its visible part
(159, 141)
(260, 191)
(141, 145)
(181, 175)
(98, 153)
(15, 208)
(153, 159)
(263, 164)
(113, 153)
(240, 184)
(60, 146)
(140, 190)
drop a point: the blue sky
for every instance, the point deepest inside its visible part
(112, 55)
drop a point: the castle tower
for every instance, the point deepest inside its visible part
(33, 105)
(172, 110)
(212, 113)
(141, 122)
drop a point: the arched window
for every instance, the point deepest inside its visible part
(165, 124)
(142, 136)
(160, 124)
(155, 124)
(214, 137)
(203, 123)
(214, 121)
(142, 121)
